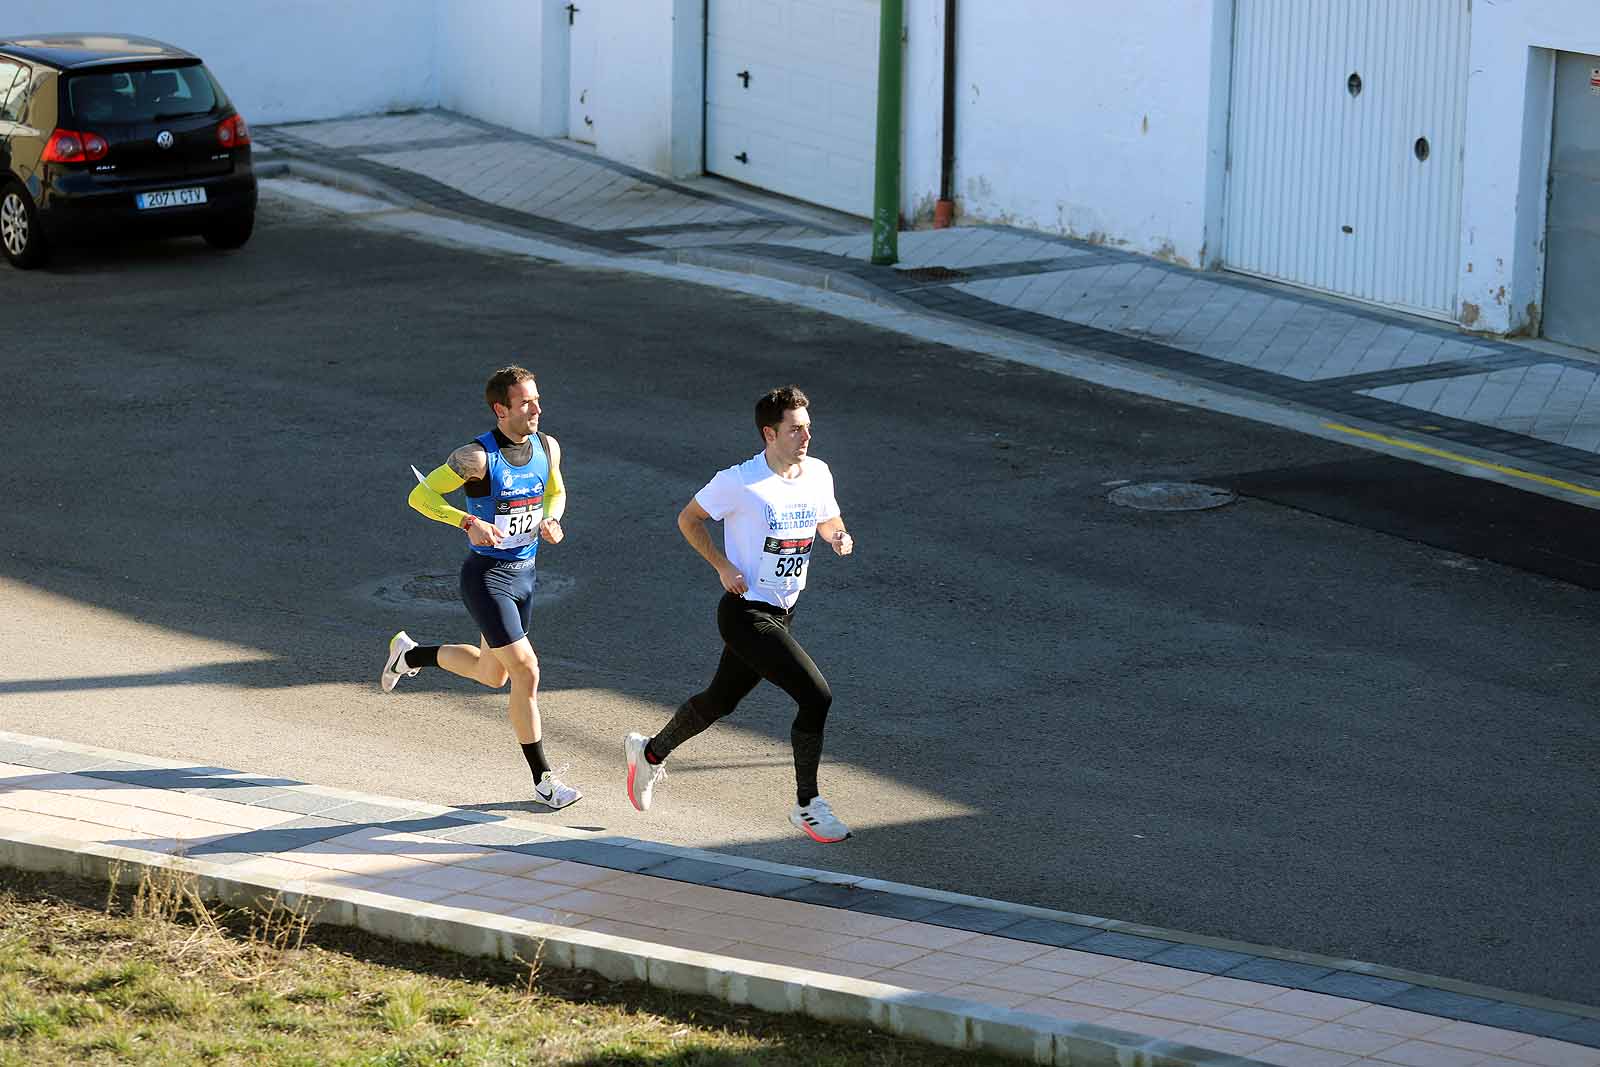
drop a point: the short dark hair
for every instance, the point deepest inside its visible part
(770, 408)
(498, 391)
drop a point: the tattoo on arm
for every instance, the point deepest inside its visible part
(469, 461)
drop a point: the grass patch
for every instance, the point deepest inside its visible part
(91, 978)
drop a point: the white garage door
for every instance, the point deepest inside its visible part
(791, 97)
(1345, 147)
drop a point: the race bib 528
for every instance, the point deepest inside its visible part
(783, 562)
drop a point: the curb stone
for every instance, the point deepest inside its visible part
(925, 1017)
(1288, 968)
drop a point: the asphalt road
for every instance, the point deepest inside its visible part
(1255, 722)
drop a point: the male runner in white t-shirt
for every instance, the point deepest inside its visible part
(772, 507)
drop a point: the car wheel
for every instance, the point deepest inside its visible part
(231, 232)
(21, 238)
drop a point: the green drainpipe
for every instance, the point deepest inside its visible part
(886, 192)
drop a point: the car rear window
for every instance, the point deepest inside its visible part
(13, 85)
(147, 94)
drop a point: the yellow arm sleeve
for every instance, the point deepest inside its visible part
(555, 494)
(427, 497)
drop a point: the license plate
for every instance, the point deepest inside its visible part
(170, 198)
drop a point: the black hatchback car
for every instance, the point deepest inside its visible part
(104, 135)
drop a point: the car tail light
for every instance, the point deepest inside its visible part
(233, 132)
(69, 146)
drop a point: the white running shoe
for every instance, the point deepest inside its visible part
(554, 793)
(642, 774)
(818, 822)
(394, 668)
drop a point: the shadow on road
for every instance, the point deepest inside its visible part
(1251, 722)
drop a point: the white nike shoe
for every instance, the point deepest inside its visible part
(554, 793)
(817, 821)
(642, 774)
(394, 668)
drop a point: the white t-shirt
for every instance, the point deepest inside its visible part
(769, 522)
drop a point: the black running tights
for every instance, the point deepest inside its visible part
(757, 644)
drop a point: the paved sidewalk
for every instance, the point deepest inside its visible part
(1527, 414)
(961, 970)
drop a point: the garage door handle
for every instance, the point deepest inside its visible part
(744, 76)
(742, 158)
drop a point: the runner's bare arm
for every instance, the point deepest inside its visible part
(555, 494)
(692, 524)
(834, 533)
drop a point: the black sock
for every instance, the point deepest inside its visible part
(650, 756)
(534, 754)
(421, 656)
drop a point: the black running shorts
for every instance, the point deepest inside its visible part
(499, 595)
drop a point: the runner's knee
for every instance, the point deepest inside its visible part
(714, 703)
(524, 675)
(814, 710)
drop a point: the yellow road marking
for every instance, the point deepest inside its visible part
(1442, 454)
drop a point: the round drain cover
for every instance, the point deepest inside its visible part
(1170, 496)
(441, 592)
(442, 587)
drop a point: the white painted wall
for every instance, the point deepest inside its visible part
(1054, 101)
(1106, 122)
(1507, 157)
(649, 85)
(687, 116)
(505, 61)
(286, 61)
(1093, 121)
(922, 109)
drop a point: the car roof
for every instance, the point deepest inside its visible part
(67, 51)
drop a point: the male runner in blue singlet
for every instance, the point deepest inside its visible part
(515, 496)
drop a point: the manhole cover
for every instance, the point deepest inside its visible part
(932, 274)
(441, 592)
(441, 587)
(1170, 496)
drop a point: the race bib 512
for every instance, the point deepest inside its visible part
(518, 520)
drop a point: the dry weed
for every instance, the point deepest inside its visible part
(195, 936)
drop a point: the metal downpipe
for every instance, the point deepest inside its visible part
(944, 211)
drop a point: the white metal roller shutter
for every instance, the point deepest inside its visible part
(1354, 193)
(803, 122)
